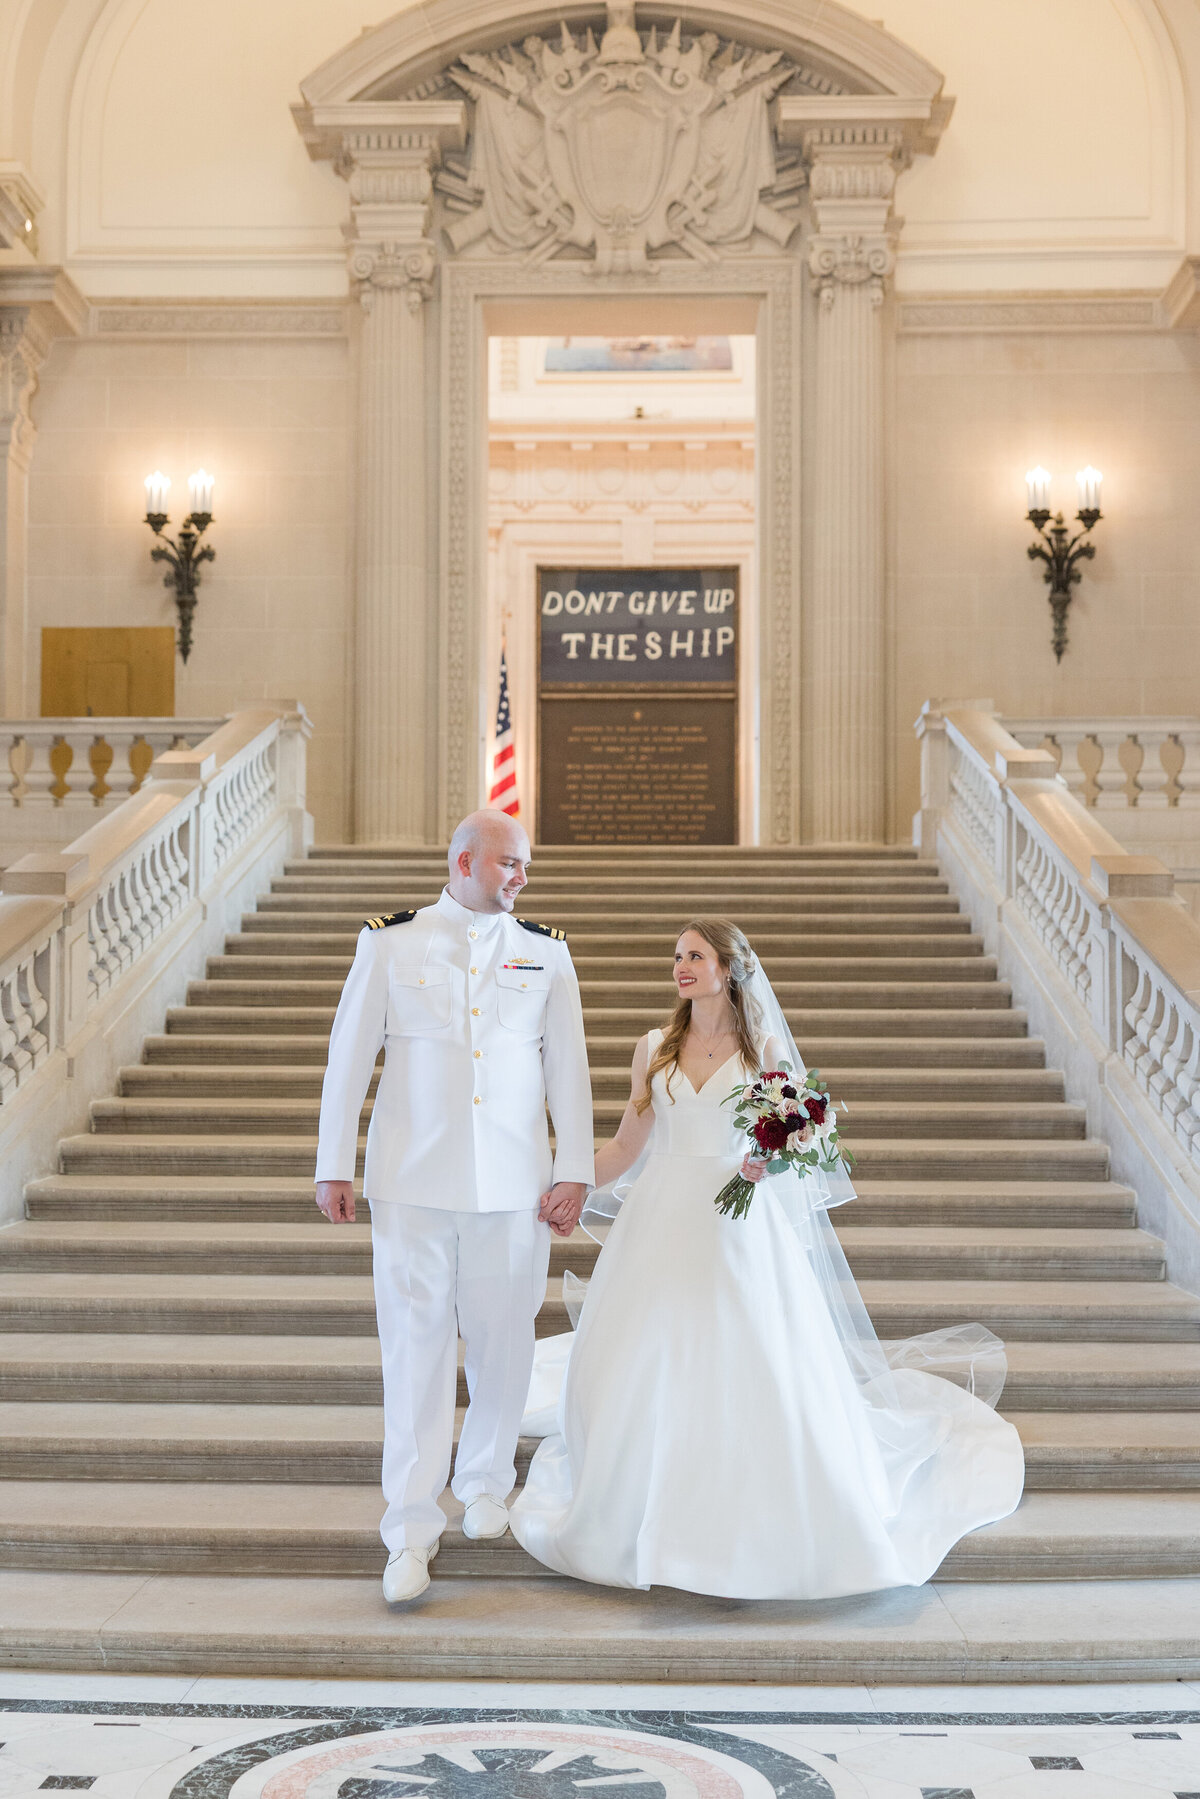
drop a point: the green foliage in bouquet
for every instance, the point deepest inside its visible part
(789, 1123)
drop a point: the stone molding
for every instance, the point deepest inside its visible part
(216, 318)
(994, 313)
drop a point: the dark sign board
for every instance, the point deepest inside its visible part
(658, 769)
(633, 626)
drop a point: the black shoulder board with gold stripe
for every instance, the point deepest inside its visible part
(543, 930)
(386, 918)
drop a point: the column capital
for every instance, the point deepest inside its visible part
(381, 266)
(36, 306)
(386, 152)
(851, 260)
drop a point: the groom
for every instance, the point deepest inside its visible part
(480, 1017)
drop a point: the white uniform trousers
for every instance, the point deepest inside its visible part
(439, 1273)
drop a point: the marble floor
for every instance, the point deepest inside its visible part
(124, 1737)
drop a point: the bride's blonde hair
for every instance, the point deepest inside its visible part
(738, 964)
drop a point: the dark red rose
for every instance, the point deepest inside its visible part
(771, 1134)
(816, 1109)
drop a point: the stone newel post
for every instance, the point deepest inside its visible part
(387, 160)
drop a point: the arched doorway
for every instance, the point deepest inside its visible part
(513, 168)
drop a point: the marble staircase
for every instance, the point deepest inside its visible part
(189, 1382)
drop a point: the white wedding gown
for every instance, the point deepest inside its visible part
(706, 1428)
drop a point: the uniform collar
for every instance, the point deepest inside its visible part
(479, 922)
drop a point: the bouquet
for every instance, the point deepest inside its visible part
(790, 1122)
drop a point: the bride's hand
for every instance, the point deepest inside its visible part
(753, 1167)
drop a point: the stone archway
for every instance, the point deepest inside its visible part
(487, 152)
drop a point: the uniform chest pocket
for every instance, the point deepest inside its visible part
(521, 999)
(420, 1000)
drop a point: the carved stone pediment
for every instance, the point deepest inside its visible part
(640, 146)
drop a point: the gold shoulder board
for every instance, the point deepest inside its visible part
(387, 918)
(543, 930)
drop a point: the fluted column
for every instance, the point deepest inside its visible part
(36, 305)
(387, 159)
(393, 729)
(851, 255)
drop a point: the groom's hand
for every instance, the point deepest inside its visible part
(561, 1206)
(336, 1200)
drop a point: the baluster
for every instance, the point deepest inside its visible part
(39, 777)
(1070, 767)
(18, 756)
(1112, 782)
(1152, 780)
(1188, 778)
(119, 777)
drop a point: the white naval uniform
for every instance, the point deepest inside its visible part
(482, 1026)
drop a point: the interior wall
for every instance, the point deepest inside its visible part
(1066, 162)
(268, 419)
(970, 612)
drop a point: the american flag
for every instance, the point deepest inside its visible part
(503, 792)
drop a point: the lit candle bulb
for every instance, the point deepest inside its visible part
(158, 486)
(1037, 486)
(1087, 482)
(200, 487)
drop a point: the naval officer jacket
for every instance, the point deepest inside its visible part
(482, 1025)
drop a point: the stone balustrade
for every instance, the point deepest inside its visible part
(1118, 763)
(1099, 948)
(82, 763)
(97, 938)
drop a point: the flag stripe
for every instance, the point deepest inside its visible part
(503, 792)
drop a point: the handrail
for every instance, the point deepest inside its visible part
(1055, 891)
(74, 923)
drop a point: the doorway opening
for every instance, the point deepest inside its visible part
(621, 590)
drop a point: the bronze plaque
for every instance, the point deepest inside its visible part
(645, 769)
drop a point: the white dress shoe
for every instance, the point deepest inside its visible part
(485, 1517)
(407, 1574)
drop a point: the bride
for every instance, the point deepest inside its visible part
(724, 1418)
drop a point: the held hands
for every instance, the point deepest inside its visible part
(753, 1167)
(336, 1200)
(561, 1206)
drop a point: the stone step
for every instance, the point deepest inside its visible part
(286, 1053)
(910, 1252)
(258, 1199)
(253, 1528)
(80, 1441)
(695, 891)
(960, 1119)
(594, 926)
(586, 856)
(970, 1159)
(620, 975)
(558, 1630)
(212, 1369)
(1015, 1086)
(1135, 1311)
(600, 998)
(638, 953)
(754, 910)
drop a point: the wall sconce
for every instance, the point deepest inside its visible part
(1062, 553)
(187, 553)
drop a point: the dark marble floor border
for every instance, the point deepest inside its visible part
(387, 1717)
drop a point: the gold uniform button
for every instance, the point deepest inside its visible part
(524, 983)
(474, 971)
(478, 1053)
(477, 1099)
(421, 981)
(472, 933)
(474, 1011)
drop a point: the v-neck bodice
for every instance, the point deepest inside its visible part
(691, 1123)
